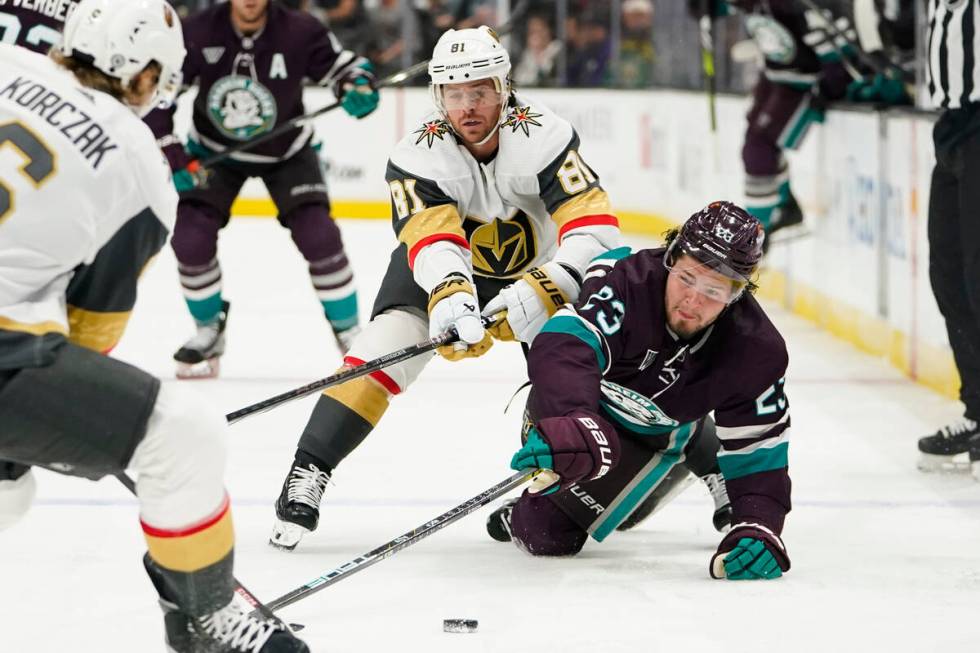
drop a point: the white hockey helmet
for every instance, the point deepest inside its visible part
(469, 55)
(121, 37)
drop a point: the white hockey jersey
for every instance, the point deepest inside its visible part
(77, 167)
(536, 201)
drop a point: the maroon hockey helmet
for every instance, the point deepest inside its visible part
(725, 238)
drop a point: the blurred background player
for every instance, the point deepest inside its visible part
(954, 231)
(487, 193)
(627, 378)
(803, 72)
(250, 59)
(34, 25)
(90, 172)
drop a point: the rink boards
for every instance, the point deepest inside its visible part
(862, 178)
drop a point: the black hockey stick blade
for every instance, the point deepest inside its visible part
(391, 80)
(349, 374)
(404, 541)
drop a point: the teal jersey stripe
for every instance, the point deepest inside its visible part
(573, 326)
(736, 465)
(669, 458)
(617, 254)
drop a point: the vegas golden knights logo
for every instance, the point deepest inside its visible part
(502, 248)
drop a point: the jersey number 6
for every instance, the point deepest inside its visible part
(39, 166)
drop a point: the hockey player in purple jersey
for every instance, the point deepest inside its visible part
(35, 25)
(803, 72)
(250, 59)
(622, 381)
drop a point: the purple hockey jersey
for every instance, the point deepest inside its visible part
(613, 355)
(248, 85)
(34, 24)
(797, 43)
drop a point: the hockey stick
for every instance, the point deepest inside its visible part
(391, 80)
(352, 373)
(392, 547)
(705, 25)
(865, 58)
(240, 589)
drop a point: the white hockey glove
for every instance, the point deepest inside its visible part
(453, 304)
(531, 300)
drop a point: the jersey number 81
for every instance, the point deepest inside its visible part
(573, 175)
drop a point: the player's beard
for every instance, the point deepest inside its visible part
(685, 328)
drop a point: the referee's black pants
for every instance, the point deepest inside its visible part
(954, 242)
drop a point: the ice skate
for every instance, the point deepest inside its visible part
(937, 451)
(975, 458)
(298, 505)
(787, 219)
(228, 630)
(498, 523)
(199, 357)
(722, 517)
(231, 629)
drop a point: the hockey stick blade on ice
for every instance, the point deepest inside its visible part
(404, 541)
(391, 80)
(349, 374)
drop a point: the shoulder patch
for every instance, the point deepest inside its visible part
(522, 118)
(430, 131)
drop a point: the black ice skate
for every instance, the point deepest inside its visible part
(722, 517)
(498, 523)
(937, 450)
(975, 458)
(230, 629)
(198, 358)
(788, 215)
(298, 505)
(346, 338)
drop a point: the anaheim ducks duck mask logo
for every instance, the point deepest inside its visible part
(502, 248)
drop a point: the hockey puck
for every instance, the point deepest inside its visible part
(459, 625)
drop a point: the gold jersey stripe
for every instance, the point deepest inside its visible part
(593, 202)
(364, 396)
(442, 219)
(196, 551)
(36, 329)
(94, 330)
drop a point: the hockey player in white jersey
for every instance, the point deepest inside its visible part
(493, 206)
(85, 200)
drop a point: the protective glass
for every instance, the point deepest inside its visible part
(456, 97)
(713, 280)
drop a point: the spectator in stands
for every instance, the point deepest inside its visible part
(634, 68)
(536, 66)
(589, 49)
(349, 21)
(473, 13)
(398, 36)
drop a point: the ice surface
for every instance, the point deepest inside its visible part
(884, 558)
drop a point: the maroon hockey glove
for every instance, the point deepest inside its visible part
(580, 446)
